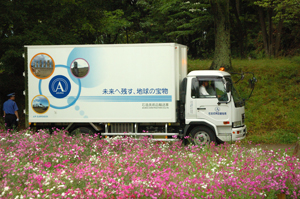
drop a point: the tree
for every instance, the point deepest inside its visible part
(51, 22)
(184, 22)
(222, 56)
(28, 23)
(278, 13)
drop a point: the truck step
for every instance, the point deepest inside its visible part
(157, 139)
(154, 134)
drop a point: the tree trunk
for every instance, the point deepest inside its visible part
(271, 38)
(222, 56)
(239, 27)
(237, 3)
(278, 37)
(263, 30)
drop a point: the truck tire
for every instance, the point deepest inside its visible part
(84, 131)
(202, 135)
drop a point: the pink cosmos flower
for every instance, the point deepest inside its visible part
(47, 164)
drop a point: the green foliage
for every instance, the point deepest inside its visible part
(190, 23)
(287, 9)
(272, 113)
(282, 19)
(54, 22)
(195, 27)
(2, 125)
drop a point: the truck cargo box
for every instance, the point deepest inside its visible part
(104, 83)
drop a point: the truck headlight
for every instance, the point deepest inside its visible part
(236, 124)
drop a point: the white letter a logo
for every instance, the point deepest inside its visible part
(59, 86)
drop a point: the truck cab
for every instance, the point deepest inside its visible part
(213, 109)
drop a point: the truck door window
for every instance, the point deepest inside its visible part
(208, 88)
(195, 88)
(221, 91)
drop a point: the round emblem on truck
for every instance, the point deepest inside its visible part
(59, 86)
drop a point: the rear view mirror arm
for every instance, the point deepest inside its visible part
(252, 83)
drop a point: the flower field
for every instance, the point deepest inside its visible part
(39, 165)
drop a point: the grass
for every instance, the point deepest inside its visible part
(36, 164)
(273, 111)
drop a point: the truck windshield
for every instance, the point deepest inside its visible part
(238, 101)
(209, 87)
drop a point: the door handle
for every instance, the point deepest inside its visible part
(201, 108)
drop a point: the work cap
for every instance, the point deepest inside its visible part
(11, 95)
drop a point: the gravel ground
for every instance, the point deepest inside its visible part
(275, 147)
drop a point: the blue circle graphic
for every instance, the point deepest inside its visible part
(59, 86)
(70, 99)
(70, 103)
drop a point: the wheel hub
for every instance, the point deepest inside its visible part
(201, 138)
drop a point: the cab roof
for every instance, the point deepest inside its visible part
(208, 73)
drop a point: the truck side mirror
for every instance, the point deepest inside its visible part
(228, 87)
(252, 82)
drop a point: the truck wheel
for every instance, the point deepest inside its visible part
(202, 135)
(83, 130)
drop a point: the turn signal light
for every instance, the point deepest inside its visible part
(222, 69)
(226, 122)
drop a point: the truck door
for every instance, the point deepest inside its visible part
(209, 96)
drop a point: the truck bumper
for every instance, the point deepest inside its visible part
(235, 135)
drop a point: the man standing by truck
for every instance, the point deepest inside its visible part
(10, 110)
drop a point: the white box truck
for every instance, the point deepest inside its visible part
(130, 89)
